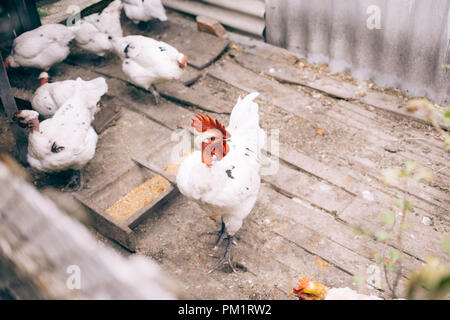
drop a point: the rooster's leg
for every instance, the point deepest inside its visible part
(76, 182)
(155, 93)
(222, 233)
(226, 258)
(100, 61)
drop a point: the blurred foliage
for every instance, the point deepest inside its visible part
(431, 282)
(435, 115)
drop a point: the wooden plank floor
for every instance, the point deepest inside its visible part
(333, 146)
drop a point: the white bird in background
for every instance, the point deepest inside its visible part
(40, 48)
(94, 32)
(224, 178)
(65, 141)
(144, 10)
(147, 61)
(49, 97)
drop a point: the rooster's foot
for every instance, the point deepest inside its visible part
(226, 258)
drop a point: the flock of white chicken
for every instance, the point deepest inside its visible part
(66, 139)
(224, 177)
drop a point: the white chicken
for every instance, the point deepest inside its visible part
(312, 290)
(144, 10)
(224, 178)
(65, 141)
(49, 97)
(147, 61)
(94, 32)
(40, 48)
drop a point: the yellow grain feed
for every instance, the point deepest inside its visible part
(137, 198)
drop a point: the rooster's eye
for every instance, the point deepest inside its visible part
(213, 138)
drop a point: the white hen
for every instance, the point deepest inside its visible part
(65, 141)
(147, 61)
(41, 48)
(224, 178)
(144, 10)
(94, 32)
(49, 97)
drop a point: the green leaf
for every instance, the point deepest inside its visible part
(409, 167)
(405, 225)
(378, 257)
(424, 174)
(391, 175)
(388, 218)
(383, 235)
(389, 267)
(447, 114)
(445, 242)
(409, 206)
(399, 202)
(447, 143)
(358, 280)
(394, 254)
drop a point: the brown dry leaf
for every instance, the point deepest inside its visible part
(234, 47)
(322, 264)
(349, 180)
(213, 218)
(320, 132)
(314, 245)
(361, 94)
(239, 82)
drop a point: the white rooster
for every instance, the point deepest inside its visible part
(144, 10)
(147, 61)
(224, 178)
(40, 48)
(65, 141)
(49, 97)
(94, 32)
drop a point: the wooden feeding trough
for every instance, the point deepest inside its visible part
(119, 205)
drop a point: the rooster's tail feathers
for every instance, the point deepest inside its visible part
(245, 113)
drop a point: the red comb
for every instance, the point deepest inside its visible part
(206, 123)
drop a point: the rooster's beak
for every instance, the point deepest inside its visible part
(183, 62)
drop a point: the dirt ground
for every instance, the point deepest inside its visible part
(332, 150)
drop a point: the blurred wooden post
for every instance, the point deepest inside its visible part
(28, 14)
(9, 104)
(43, 250)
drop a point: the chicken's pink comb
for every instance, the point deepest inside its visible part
(205, 123)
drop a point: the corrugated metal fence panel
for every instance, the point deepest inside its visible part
(408, 51)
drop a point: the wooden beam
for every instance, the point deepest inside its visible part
(10, 107)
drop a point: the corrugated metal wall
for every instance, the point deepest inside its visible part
(407, 51)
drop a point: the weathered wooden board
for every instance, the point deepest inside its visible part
(294, 183)
(366, 214)
(369, 203)
(286, 73)
(332, 241)
(195, 96)
(340, 89)
(286, 98)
